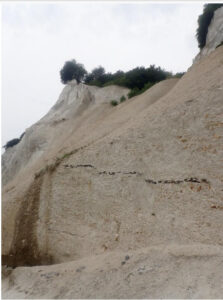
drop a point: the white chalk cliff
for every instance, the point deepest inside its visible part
(214, 36)
(73, 102)
(119, 202)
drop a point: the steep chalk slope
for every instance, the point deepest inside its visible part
(46, 134)
(134, 200)
(64, 138)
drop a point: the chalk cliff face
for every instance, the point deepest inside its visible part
(214, 36)
(127, 199)
(74, 101)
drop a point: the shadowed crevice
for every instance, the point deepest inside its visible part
(24, 250)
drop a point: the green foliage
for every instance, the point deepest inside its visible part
(72, 70)
(98, 72)
(147, 86)
(21, 136)
(11, 143)
(179, 75)
(96, 82)
(88, 78)
(135, 92)
(66, 155)
(138, 79)
(96, 77)
(135, 79)
(122, 99)
(111, 82)
(114, 102)
(204, 21)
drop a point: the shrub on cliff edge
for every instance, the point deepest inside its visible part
(11, 143)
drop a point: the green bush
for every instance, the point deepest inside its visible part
(114, 102)
(111, 82)
(11, 143)
(95, 82)
(179, 75)
(147, 86)
(135, 92)
(204, 21)
(122, 99)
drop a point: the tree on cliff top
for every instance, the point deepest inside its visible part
(204, 21)
(72, 70)
(96, 77)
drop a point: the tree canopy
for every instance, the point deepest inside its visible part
(135, 78)
(72, 70)
(204, 21)
(95, 75)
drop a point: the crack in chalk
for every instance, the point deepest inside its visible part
(79, 166)
(191, 179)
(132, 173)
(148, 180)
(102, 172)
(63, 231)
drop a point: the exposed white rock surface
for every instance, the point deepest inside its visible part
(125, 201)
(214, 36)
(171, 272)
(39, 138)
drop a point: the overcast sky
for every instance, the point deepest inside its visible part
(37, 38)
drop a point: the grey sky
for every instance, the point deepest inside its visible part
(37, 38)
